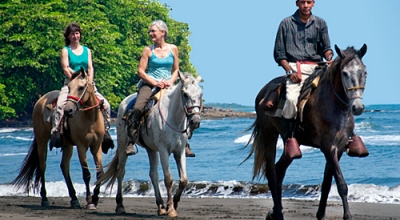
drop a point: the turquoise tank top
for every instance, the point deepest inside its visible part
(76, 62)
(160, 68)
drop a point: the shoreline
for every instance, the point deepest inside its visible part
(18, 208)
(207, 114)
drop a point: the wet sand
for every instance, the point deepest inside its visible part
(18, 208)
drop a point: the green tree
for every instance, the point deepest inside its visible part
(5, 111)
(116, 31)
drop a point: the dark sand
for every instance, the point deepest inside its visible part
(18, 208)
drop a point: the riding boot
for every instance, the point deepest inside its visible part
(356, 147)
(291, 148)
(188, 151)
(133, 124)
(107, 140)
(55, 138)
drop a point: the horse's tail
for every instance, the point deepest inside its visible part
(114, 169)
(29, 168)
(258, 148)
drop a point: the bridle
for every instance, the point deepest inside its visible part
(188, 113)
(346, 90)
(79, 102)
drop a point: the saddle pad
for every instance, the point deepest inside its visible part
(132, 103)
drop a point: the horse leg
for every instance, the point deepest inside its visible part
(332, 159)
(98, 160)
(65, 165)
(164, 156)
(325, 188)
(280, 170)
(42, 155)
(275, 186)
(280, 167)
(274, 173)
(153, 159)
(180, 160)
(86, 175)
(120, 209)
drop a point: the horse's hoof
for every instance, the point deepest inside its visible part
(162, 212)
(172, 214)
(45, 203)
(270, 216)
(91, 207)
(75, 204)
(120, 210)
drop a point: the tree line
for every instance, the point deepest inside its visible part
(31, 39)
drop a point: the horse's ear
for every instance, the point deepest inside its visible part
(199, 78)
(83, 72)
(339, 52)
(181, 76)
(362, 51)
(76, 74)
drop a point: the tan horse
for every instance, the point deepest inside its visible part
(84, 127)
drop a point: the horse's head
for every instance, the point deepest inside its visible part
(79, 92)
(353, 75)
(192, 97)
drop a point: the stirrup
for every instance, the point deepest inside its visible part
(107, 142)
(130, 149)
(292, 149)
(188, 151)
(356, 147)
(55, 140)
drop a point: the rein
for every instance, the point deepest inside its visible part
(187, 113)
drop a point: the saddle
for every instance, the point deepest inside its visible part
(275, 92)
(154, 98)
(64, 127)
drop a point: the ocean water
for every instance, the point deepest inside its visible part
(215, 171)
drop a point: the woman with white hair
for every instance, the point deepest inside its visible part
(162, 63)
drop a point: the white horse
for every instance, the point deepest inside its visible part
(165, 131)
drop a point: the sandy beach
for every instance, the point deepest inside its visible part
(19, 208)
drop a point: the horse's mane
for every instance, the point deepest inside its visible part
(328, 73)
(189, 78)
(339, 63)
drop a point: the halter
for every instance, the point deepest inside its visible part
(79, 100)
(188, 112)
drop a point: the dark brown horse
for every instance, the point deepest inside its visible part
(327, 124)
(85, 130)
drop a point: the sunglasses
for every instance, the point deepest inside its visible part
(152, 31)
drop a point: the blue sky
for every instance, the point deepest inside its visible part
(232, 43)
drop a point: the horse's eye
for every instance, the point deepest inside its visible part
(81, 88)
(185, 96)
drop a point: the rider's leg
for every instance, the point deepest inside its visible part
(289, 112)
(58, 113)
(134, 118)
(188, 150)
(107, 140)
(356, 147)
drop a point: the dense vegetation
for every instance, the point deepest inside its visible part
(31, 38)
